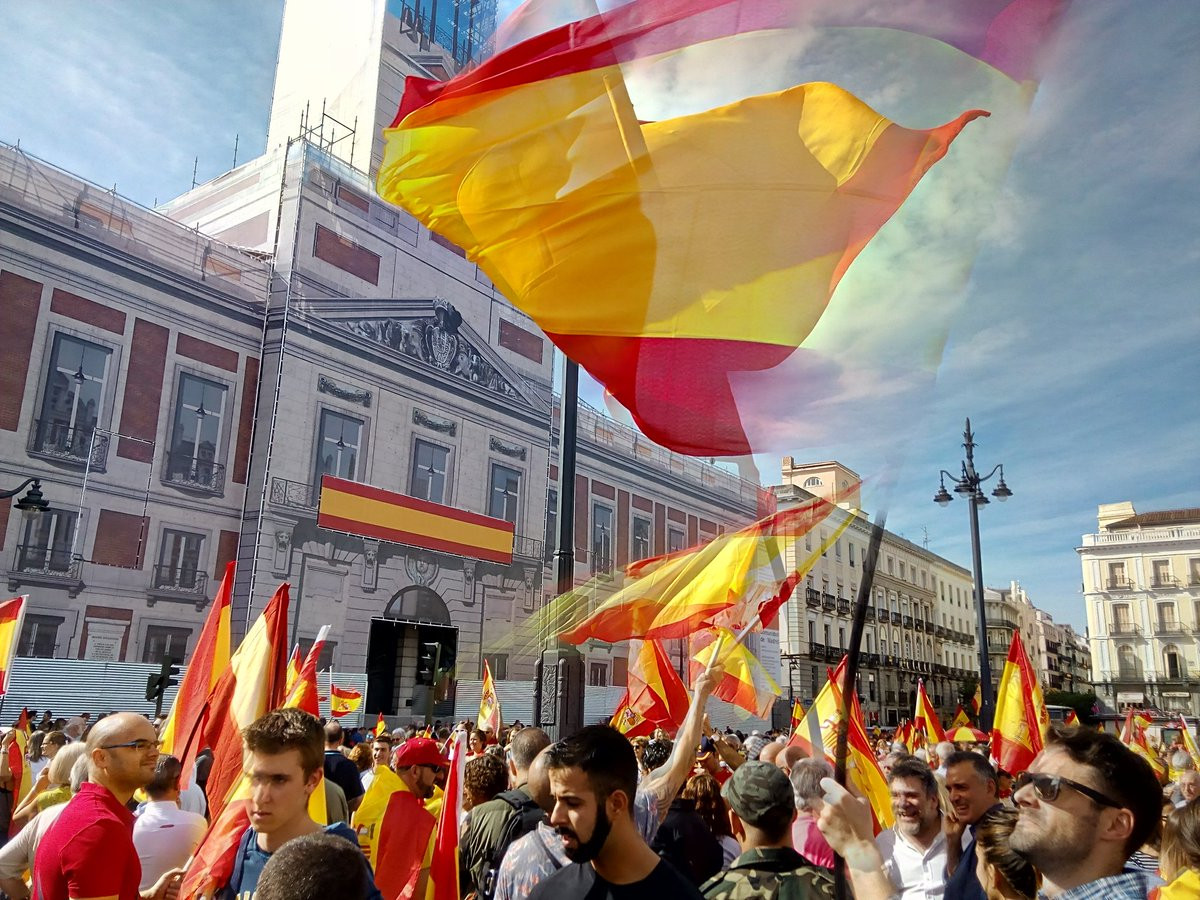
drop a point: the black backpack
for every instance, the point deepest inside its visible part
(524, 818)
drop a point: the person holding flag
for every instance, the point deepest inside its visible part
(283, 764)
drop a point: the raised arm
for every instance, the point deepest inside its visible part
(664, 783)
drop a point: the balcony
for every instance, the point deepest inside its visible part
(178, 584)
(890, 697)
(816, 651)
(834, 654)
(46, 566)
(828, 601)
(1118, 584)
(883, 615)
(190, 473)
(895, 618)
(812, 598)
(870, 659)
(940, 631)
(59, 442)
(294, 494)
(1164, 583)
(907, 620)
(531, 548)
(1127, 629)
(1169, 627)
(843, 607)
(929, 626)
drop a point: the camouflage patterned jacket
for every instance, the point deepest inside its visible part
(775, 873)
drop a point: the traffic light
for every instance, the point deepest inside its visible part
(157, 684)
(428, 662)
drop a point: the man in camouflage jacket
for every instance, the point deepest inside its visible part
(768, 867)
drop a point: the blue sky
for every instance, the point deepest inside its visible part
(1076, 356)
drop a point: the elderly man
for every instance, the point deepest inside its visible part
(89, 850)
(1086, 803)
(1189, 787)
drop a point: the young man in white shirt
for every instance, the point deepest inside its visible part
(164, 835)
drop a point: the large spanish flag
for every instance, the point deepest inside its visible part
(926, 717)
(1019, 729)
(730, 225)
(12, 615)
(183, 731)
(629, 722)
(343, 701)
(373, 512)
(656, 692)
(746, 682)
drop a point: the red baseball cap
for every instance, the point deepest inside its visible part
(419, 751)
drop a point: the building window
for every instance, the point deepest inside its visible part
(808, 541)
(504, 493)
(179, 561)
(551, 523)
(427, 481)
(837, 549)
(841, 637)
(46, 545)
(73, 401)
(815, 683)
(812, 632)
(812, 481)
(1167, 619)
(828, 642)
(602, 518)
(1174, 662)
(640, 538)
(339, 443)
(1162, 573)
(162, 641)
(675, 540)
(498, 664)
(1193, 572)
(1116, 575)
(196, 433)
(850, 550)
(598, 674)
(39, 636)
(1128, 665)
(1122, 619)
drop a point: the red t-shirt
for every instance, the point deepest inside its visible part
(89, 851)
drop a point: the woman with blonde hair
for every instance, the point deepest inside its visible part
(1179, 856)
(53, 785)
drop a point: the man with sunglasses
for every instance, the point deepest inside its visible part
(88, 852)
(1086, 804)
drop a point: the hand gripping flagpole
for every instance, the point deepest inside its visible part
(850, 684)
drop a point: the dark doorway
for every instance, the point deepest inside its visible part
(415, 617)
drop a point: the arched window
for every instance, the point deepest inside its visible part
(1175, 666)
(1128, 665)
(814, 481)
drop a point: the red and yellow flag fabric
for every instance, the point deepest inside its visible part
(797, 717)
(672, 596)
(1019, 729)
(380, 726)
(977, 699)
(183, 731)
(1133, 736)
(443, 870)
(17, 766)
(489, 704)
(343, 701)
(396, 833)
(656, 692)
(1189, 741)
(538, 164)
(1071, 719)
(628, 722)
(302, 692)
(293, 669)
(361, 509)
(12, 615)
(746, 683)
(926, 717)
(960, 717)
(817, 736)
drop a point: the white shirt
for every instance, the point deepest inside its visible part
(165, 836)
(36, 766)
(914, 872)
(191, 799)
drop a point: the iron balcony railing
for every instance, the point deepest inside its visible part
(60, 442)
(193, 474)
(34, 559)
(182, 579)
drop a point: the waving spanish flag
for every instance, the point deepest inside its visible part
(628, 722)
(541, 167)
(746, 682)
(926, 717)
(1133, 736)
(797, 716)
(489, 704)
(343, 701)
(656, 692)
(294, 664)
(1019, 730)
(12, 615)
(960, 718)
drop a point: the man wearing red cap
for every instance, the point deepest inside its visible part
(417, 764)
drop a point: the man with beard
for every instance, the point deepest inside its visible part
(971, 784)
(593, 777)
(914, 851)
(1086, 803)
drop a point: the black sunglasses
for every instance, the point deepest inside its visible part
(1048, 787)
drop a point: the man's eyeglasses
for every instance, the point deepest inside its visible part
(139, 746)
(1048, 787)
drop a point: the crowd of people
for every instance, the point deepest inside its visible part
(720, 815)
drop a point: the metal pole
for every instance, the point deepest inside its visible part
(987, 700)
(433, 685)
(568, 416)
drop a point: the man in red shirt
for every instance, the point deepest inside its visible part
(88, 853)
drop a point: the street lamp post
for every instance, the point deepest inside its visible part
(970, 485)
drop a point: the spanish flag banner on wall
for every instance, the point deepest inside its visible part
(12, 615)
(387, 516)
